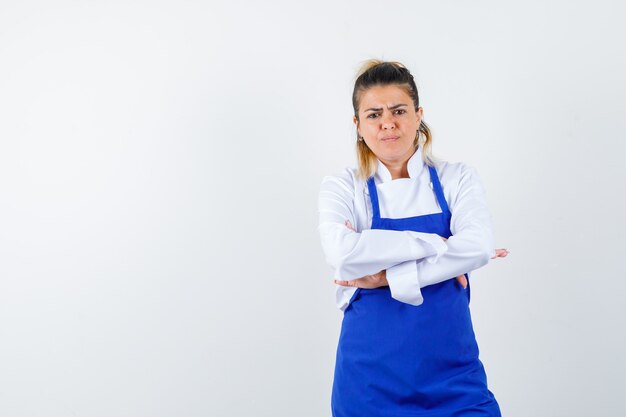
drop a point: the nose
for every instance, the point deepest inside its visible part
(387, 122)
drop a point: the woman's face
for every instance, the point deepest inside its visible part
(388, 122)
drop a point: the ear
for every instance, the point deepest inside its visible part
(420, 114)
(356, 123)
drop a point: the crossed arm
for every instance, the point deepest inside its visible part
(380, 278)
(405, 260)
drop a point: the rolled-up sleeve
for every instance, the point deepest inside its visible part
(353, 254)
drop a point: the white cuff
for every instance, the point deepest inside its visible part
(403, 283)
(432, 239)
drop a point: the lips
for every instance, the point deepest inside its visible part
(389, 138)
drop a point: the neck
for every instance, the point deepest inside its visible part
(397, 169)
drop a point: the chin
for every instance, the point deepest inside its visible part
(395, 152)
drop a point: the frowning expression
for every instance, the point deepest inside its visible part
(388, 122)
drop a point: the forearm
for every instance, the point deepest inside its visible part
(354, 255)
(466, 252)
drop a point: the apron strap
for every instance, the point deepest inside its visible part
(438, 190)
(373, 197)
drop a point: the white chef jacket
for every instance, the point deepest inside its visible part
(412, 259)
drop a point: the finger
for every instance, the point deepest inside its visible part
(500, 253)
(462, 280)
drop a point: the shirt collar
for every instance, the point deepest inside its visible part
(414, 166)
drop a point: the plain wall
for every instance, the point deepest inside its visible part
(160, 163)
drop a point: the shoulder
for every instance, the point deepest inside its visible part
(344, 181)
(461, 183)
(459, 179)
(339, 190)
(455, 174)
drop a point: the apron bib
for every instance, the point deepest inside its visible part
(399, 360)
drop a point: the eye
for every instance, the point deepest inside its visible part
(402, 111)
(370, 115)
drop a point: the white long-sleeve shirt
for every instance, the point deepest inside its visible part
(412, 259)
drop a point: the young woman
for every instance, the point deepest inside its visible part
(403, 231)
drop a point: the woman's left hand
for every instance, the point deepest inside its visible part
(368, 281)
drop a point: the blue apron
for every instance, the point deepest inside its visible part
(399, 360)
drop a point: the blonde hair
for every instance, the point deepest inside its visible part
(375, 72)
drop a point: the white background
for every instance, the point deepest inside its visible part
(159, 169)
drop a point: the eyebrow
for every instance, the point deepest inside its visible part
(390, 108)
